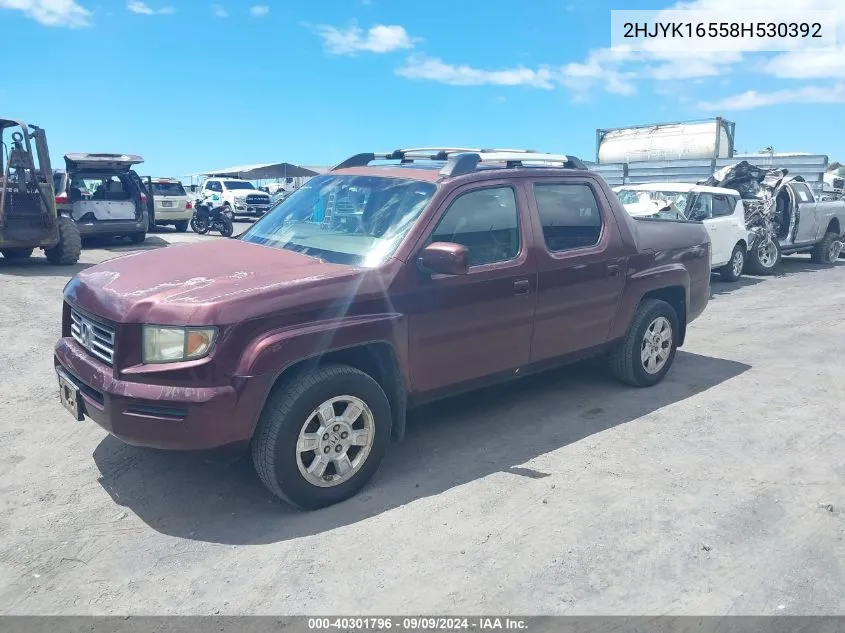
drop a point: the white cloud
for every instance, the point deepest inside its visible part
(808, 64)
(67, 13)
(218, 11)
(381, 38)
(434, 69)
(259, 10)
(753, 99)
(142, 8)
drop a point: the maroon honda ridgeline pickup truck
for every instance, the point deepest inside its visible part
(374, 288)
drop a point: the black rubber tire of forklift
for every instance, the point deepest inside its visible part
(17, 253)
(69, 248)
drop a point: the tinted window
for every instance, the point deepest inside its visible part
(236, 184)
(570, 216)
(213, 186)
(58, 183)
(702, 208)
(722, 206)
(486, 222)
(168, 189)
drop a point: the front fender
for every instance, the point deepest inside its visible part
(276, 350)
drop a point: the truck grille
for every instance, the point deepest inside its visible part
(257, 199)
(96, 338)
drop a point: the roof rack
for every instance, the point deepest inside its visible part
(461, 161)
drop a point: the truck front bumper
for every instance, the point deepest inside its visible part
(162, 416)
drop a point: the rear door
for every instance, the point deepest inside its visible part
(808, 213)
(722, 229)
(581, 274)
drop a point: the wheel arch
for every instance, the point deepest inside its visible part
(834, 226)
(676, 297)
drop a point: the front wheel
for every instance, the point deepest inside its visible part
(225, 226)
(322, 436)
(644, 357)
(69, 247)
(764, 258)
(732, 271)
(827, 251)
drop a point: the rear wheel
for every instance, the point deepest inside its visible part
(764, 258)
(69, 248)
(322, 436)
(17, 253)
(644, 357)
(138, 238)
(181, 226)
(828, 250)
(732, 271)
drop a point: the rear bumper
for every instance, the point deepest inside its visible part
(171, 215)
(165, 417)
(112, 227)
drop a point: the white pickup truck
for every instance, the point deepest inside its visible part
(720, 210)
(237, 197)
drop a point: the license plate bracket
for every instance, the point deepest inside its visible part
(167, 203)
(70, 397)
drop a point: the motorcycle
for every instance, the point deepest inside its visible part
(207, 217)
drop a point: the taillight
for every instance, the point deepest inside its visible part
(61, 198)
(188, 206)
(143, 198)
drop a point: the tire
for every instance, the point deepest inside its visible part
(226, 226)
(227, 209)
(69, 248)
(626, 359)
(291, 410)
(732, 271)
(827, 251)
(138, 238)
(197, 226)
(17, 253)
(757, 264)
(182, 226)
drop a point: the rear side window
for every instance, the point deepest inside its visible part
(168, 189)
(570, 215)
(486, 222)
(722, 206)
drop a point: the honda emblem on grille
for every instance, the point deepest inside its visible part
(86, 333)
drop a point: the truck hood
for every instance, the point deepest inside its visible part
(214, 283)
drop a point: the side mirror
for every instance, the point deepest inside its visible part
(444, 258)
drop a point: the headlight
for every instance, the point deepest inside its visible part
(173, 344)
(240, 199)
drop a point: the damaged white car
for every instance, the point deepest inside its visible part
(720, 210)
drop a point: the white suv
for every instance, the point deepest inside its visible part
(720, 210)
(170, 203)
(240, 196)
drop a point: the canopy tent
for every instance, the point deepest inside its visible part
(266, 171)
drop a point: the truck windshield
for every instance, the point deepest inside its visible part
(633, 196)
(235, 184)
(355, 220)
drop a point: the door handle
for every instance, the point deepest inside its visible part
(521, 287)
(612, 270)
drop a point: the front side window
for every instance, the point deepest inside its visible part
(355, 220)
(486, 222)
(702, 207)
(570, 215)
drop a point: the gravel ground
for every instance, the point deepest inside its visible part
(719, 491)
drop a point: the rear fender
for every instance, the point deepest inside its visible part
(650, 281)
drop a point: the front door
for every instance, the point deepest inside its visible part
(467, 327)
(808, 216)
(720, 226)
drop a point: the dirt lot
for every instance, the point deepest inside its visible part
(720, 491)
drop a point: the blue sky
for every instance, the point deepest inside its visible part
(192, 85)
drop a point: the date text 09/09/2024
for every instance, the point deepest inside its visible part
(634, 30)
(416, 624)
